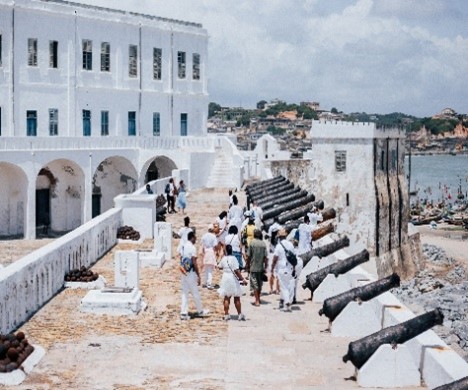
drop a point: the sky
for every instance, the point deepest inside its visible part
(374, 56)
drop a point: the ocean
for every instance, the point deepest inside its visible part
(438, 177)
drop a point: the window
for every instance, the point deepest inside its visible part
(31, 123)
(32, 52)
(196, 66)
(53, 121)
(394, 159)
(104, 122)
(181, 64)
(133, 61)
(87, 54)
(340, 160)
(105, 57)
(157, 63)
(131, 123)
(156, 124)
(183, 124)
(53, 54)
(86, 123)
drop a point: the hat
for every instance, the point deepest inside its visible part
(210, 226)
(282, 233)
(247, 213)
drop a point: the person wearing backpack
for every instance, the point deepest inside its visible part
(273, 237)
(286, 261)
(190, 278)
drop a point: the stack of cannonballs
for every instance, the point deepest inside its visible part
(81, 275)
(128, 233)
(14, 349)
(160, 201)
(160, 208)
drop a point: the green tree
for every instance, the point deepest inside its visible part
(261, 104)
(334, 110)
(213, 108)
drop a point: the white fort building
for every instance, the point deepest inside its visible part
(94, 103)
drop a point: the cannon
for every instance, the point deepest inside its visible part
(281, 197)
(270, 190)
(325, 250)
(290, 215)
(327, 214)
(460, 384)
(314, 279)
(361, 350)
(262, 183)
(265, 186)
(333, 306)
(288, 206)
(322, 231)
(268, 198)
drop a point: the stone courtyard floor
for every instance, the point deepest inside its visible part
(156, 350)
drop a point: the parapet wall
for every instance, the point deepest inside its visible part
(30, 282)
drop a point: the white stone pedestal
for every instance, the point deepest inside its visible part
(151, 258)
(127, 269)
(113, 303)
(389, 368)
(100, 282)
(163, 239)
(16, 377)
(330, 287)
(356, 320)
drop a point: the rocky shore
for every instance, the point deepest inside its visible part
(443, 283)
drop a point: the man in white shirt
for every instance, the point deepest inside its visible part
(190, 278)
(185, 230)
(235, 214)
(258, 215)
(209, 242)
(304, 245)
(315, 217)
(286, 272)
(272, 234)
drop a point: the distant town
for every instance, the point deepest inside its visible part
(444, 132)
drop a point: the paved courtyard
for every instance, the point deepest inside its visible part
(156, 350)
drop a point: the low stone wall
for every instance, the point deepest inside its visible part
(30, 282)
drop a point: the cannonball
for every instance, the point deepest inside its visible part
(15, 343)
(20, 336)
(24, 342)
(6, 361)
(12, 353)
(11, 337)
(7, 344)
(3, 351)
(11, 366)
(2, 368)
(29, 348)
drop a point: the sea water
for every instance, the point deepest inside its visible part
(438, 177)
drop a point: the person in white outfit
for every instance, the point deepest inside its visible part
(230, 285)
(272, 234)
(209, 243)
(286, 272)
(190, 279)
(235, 214)
(258, 215)
(185, 230)
(315, 217)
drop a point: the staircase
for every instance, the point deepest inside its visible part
(221, 175)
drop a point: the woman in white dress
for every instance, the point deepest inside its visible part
(231, 284)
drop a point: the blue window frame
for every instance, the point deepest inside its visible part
(156, 124)
(132, 123)
(86, 123)
(183, 124)
(104, 122)
(31, 123)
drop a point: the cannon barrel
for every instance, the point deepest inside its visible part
(361, 350)
(325, 250)
(333, 306)
(460, 384)
(326, 214)
(314, 279)
(322, 231)
(262, 188)
(271, 190)
(281, 197)
(285, 192)
(262, 183)
(288, 206)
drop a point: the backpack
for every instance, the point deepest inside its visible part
(167, 189)
(296, 235)
(187, 264)
(290, 256)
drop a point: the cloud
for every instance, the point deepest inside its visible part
(370, 55)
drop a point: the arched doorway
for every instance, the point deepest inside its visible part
(114, 176)
(13, 200)
(159, 167)
(59, 197)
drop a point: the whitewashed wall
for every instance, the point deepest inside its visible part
(31, 281)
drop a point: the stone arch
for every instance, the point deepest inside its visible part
(114, 176)
(13, 200)
(60, 193)
(157, 168)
